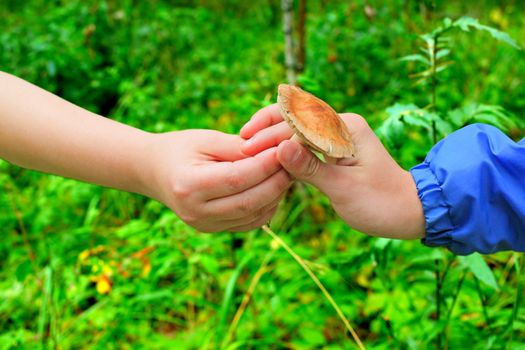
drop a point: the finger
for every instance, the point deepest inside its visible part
(262, 119)
(236, 218)
(268, 211)
(304, 165)
(353, 121)
(253, 199)
(224, 147)
(368, 147)
(226, 225)
(225, 179)
(347, 161)
(255, 224)
(266, 138)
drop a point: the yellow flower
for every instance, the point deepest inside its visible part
(146, 267)
(498, 17)
(103, 285)
(107, 270)
(84, 255)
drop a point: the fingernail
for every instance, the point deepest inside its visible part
(291, 154)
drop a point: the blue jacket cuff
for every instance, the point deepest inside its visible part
(439, 226)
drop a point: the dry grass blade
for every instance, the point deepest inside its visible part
(301, 262)
(247, 297)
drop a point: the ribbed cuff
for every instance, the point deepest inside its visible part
(438, 224)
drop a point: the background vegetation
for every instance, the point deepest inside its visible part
(83, 267)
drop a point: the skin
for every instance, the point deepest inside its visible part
(202, 175)
(371, 192)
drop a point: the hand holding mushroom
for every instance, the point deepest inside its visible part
(370, 191)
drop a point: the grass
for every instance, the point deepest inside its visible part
(314, 278)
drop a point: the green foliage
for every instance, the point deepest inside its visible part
(437, 47)
(480, 269)
(88, 268)
(466, 23)
(430, 121)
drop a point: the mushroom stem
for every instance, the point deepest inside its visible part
(298, 139)
(330, 160)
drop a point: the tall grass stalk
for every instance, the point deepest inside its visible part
(327, 295)
(451, 309)
(246, 299)
(514, 315)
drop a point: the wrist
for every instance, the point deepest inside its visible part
(160, 160)
(414, 219)
(145, 167)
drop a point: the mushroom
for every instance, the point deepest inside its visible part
(315, 123)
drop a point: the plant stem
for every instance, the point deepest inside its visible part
(434, 85)
(305, 267)
(246, 299)
(434, 71)
(301, 31)
(30, 253)
(517, 300)
(482, 302)
(291, 62)
(434, 141)
(454, 299)
(438, 302)
(440, 280)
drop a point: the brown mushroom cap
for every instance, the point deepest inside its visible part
(315, 122)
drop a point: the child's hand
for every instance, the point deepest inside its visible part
(372, 193)
(204, 177)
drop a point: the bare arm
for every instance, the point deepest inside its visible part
(202, 175)
(41, 131)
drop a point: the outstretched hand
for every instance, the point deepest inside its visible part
(371, 192)
(204, 177)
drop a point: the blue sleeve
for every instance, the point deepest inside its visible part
(472, 188)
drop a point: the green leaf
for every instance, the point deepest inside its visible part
(477, 265)
(442, 53)
(312, 336)
(92, 211)
(228, 299)
(488, 118)
(458, 117)
(400, 116)
(443, 127)
(434, 254)
(476, 113)
(392, 131)
(416, 58)
(210, 263)
(156, 295)
(400, 109)
(419, 120)
(23, 270)
(466, 23)
(381, 243)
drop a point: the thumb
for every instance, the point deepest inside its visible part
(303, 164)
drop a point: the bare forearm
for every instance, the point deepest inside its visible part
(202, 175)
(41, 131)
